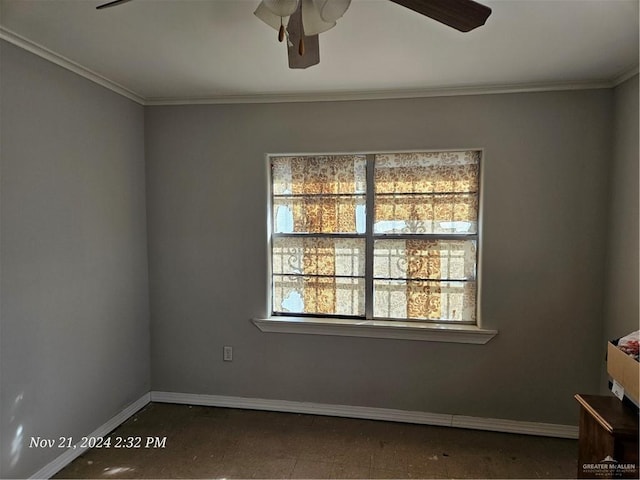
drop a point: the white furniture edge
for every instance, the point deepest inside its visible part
(75, 451)
(62, 61)
(371, 413)
(377, 329)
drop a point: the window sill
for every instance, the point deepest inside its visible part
(430, 332)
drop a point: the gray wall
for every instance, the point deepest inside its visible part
(622, 309)
(545, 191)
(75, 324)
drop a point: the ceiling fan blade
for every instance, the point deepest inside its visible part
(463, 15)
(311, 54)
(111, 4)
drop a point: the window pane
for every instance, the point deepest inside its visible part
(431, 193)
(423, 196)
(319, 256)
(319, 214)
(424, 300)
(319, 295)
(425, 259)
(319, 194)
(445, 172)
(448, 213)
(319, 175)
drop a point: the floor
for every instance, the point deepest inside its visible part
(208, 442)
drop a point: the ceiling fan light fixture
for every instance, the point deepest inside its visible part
(281, 8)
(268, 17)
(312, 21)
(331, 10)
(305, 19)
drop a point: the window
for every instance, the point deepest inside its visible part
(390, 236)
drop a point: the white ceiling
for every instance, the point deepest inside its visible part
(163, 51)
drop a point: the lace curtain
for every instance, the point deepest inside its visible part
(320, 195)
(426, 195)
(420, 269)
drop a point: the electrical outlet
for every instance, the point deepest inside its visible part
(227, 353)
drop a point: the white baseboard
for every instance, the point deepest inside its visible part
(74, 452)
(516, 426)
(371, 413)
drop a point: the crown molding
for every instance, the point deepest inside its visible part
(62, 61)
(56, 58)
(623, 77)
(380, 94)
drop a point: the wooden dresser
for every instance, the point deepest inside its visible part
(608, 442)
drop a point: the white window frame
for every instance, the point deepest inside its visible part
(392, 329)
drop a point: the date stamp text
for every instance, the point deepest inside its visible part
(98, 442)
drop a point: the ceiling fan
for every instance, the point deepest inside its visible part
(301, 21)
